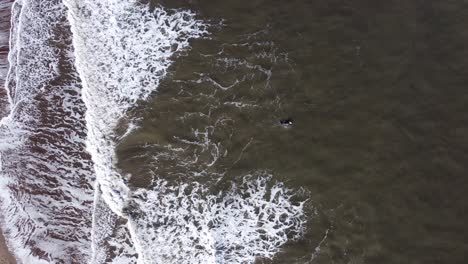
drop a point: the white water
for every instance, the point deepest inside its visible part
(46, 176)
(121, 50)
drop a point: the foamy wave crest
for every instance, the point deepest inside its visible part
(187, 225)
(46, 176)
(123, 49)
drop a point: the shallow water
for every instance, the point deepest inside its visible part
(377, 95)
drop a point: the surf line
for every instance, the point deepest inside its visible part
(123, 50)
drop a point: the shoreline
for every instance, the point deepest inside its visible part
(5, 24)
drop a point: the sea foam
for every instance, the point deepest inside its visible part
(188, 225)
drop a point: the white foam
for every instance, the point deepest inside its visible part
(188, 225)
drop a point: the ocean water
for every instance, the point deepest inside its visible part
(150, 132)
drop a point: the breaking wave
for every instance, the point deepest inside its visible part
(123, 50)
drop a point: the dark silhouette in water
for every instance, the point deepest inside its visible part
(288, 122)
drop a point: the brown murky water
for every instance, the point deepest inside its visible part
(378, 94)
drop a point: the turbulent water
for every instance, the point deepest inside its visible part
(75, 70)
(256, 131)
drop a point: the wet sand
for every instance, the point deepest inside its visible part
(5, 255)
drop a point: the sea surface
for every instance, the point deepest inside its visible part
(219, 132)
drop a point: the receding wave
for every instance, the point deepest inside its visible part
(46, 174)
